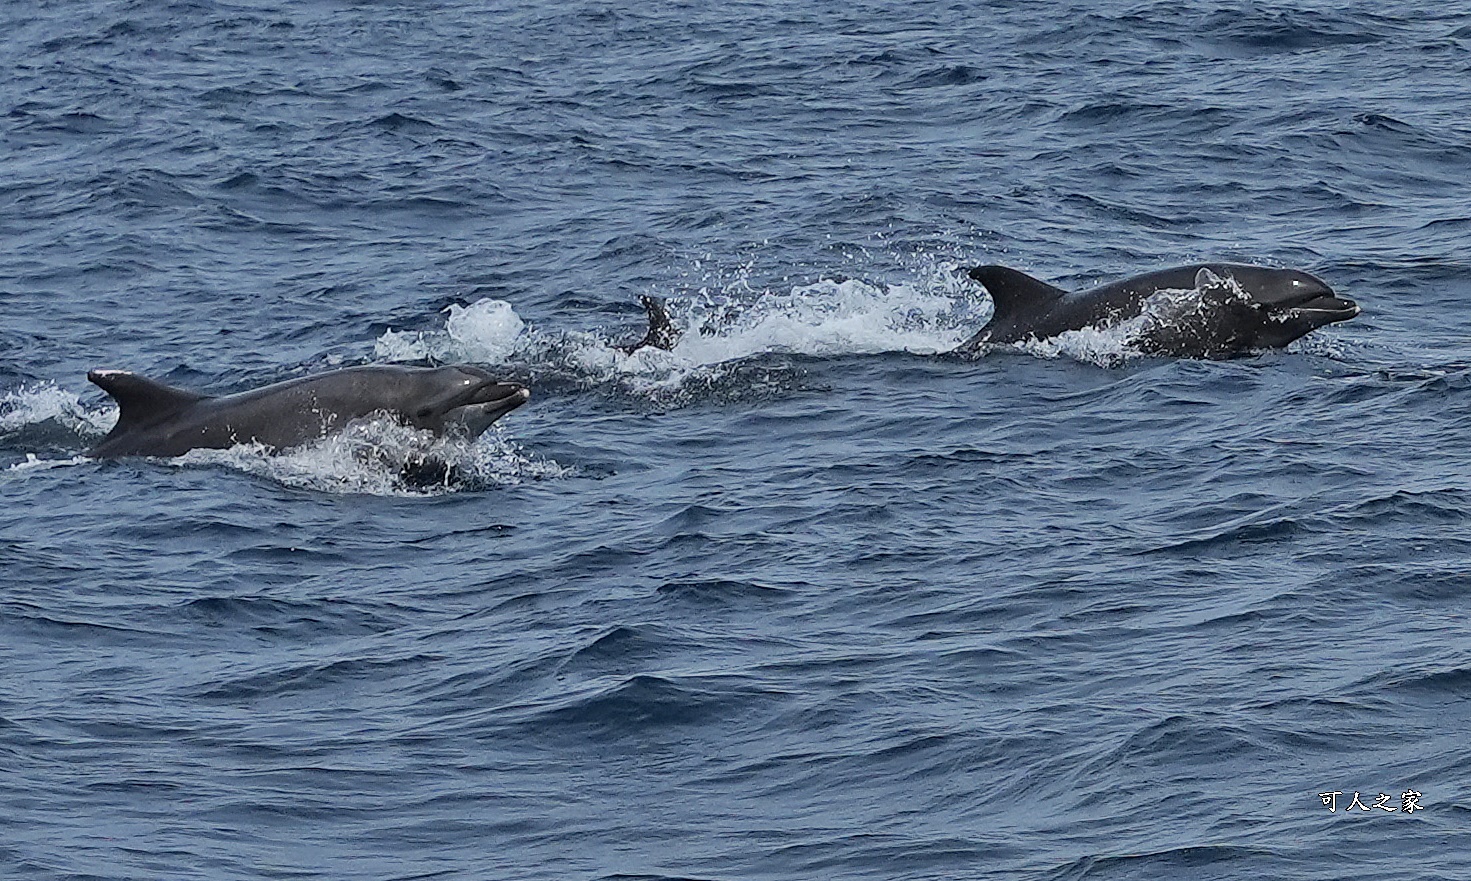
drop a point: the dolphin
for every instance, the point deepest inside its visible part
(1205, 310)
(159, 420)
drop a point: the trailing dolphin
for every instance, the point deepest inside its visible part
(1207, 310)
(159, 420)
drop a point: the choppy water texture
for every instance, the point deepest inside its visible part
(797, 599)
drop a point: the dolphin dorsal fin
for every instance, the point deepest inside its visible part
(1205, 278)
(142, 401)
(1013, 292)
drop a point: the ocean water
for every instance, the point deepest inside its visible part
(797, 599)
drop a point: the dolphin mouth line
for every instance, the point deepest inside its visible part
(486, 403)
(1341, 308)
(492, 394)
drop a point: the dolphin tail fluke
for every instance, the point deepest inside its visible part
(662, 333)
(140, 400)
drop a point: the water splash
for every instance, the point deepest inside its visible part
(385, 458)
(485, 332)
(30, 406)
(827, 317)
(1107, 346)
(721, 325)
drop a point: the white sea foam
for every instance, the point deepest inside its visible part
(383, 457)
(50, 417)
(825, 318)
(720, 325)
(35, 463)
(35, 405)
(1104, 346)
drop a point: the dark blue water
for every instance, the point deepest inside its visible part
(797, 600)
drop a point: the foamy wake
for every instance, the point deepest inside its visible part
(48, 417)
(36, 463)
(724, 324)
(1104, 346)
(718, 327)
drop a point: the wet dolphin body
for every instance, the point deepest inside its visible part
(159, 420)
(1227, 309)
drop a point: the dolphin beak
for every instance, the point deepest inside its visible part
(500, 392)
(487, 403)
(500, 397)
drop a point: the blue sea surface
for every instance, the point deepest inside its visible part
(797, 599)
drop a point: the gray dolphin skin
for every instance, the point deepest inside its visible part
(1228, 309)
(159, 420)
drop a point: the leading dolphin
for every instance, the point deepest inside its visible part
(159, 420)
(1205, 310)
